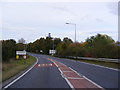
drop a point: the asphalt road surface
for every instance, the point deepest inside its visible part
(50, 72)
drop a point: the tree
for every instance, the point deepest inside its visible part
(8, 49)
(67, 40)
(76, 49)
(56, 42)
(21, 41)
(20, 46)
(99, 45)
(61, 49)
(48, 44)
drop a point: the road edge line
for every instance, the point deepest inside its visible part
(21, 75)
(110, 68)
(101, 66)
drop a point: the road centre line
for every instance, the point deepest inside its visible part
(66, 78)
(73, 78)
(87, 79)
(67, 71)
(71, 86)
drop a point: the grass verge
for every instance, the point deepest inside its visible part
(13, 67)
(102, 63)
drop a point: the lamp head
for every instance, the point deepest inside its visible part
(67, 23)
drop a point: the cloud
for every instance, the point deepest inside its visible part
(113, 8)
(99, 20)
(35, 20)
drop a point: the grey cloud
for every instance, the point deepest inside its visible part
(99, 20)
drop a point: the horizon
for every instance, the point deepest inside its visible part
(32, 20)
(56, 37)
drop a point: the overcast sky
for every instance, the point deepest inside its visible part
(32, 20)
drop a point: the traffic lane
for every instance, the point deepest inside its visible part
(41, 77)
(104, 77)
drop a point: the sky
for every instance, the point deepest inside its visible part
(32, 20)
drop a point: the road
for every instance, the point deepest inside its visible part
(50, 72)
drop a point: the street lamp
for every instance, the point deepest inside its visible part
(53, 43)
(75, 29)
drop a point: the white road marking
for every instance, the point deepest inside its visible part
(50, 64)
(39, 65)
(21, 75)
(100, 66)
(95, 65)
(71, 86)
(87, 79)
(78, 74)
(94, 83)
(67, 71)
(74, 78)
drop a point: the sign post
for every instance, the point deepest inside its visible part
(52, 52)
(21, 53)
(17, 56)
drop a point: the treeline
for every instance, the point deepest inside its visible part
(9, 48)
(99, 46)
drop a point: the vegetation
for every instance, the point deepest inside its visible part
(8, 49)
(99, 46)
(102, 63)
(13, 67)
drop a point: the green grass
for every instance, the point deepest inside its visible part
(13, 67)
(102, 63)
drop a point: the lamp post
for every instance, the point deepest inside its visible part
(75, 29)
(53, 45)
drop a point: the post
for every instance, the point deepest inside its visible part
(75, 33)
(75, 29)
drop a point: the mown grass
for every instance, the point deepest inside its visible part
(102, 63)
(13, 67)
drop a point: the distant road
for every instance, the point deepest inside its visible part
(52, 72)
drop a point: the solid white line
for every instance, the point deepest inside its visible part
(94, 83)
(60, 71)
(94, 65)
(21, 75)
(87, 79)
(71, 86)
(74, 78)
(67, 71)
(100, 66)
(80, 76)
(76, 72)
(55, 64)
